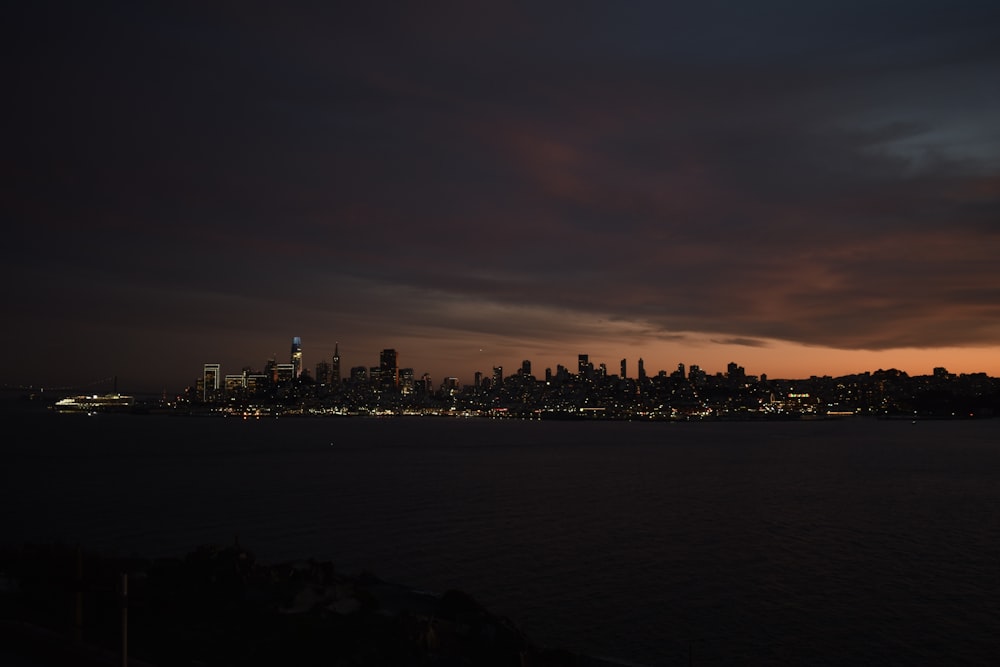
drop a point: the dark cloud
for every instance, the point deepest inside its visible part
(549, 173)
(746, 342)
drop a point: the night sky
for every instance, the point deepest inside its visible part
(804, 188)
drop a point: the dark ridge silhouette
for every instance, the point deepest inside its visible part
(219, 606)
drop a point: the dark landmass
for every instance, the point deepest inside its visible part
(219, 606)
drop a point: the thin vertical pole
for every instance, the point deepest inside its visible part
(78, 611)
(124, 620)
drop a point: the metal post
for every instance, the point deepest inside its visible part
(78, 611)
(124, 620)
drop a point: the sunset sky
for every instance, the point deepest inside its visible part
(804, 188)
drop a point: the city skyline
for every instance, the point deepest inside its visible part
(805, 189)
(389, 359)
(440, 368)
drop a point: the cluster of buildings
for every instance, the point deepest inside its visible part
(589, 390)
(213, 386)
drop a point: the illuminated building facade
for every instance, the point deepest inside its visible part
(210, 381)
(406, 380)
(235, 384)
(296, 359)
(285, 372)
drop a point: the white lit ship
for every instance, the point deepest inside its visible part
(95, 402)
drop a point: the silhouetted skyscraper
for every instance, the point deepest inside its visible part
(389, 368)
(642, 370)
(323, 372)
(623, 370)
(335, 367)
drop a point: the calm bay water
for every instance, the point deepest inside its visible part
(833, 542)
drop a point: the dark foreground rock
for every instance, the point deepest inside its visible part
(218, 606)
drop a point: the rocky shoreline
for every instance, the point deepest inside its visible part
(219, 606)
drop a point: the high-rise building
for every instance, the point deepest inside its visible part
(323, 372)
(296, 359)
(234, 385)
(497, 376)
(335, 366)
(210, 381)
(406, 380)
(582, 363)
(255, 383)
(285, 372)
(526, 367)
(642, 371)
(389, 368)
(623, 370)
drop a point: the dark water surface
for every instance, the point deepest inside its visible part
(836, 542)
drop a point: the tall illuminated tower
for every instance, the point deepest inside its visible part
(296, 360)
